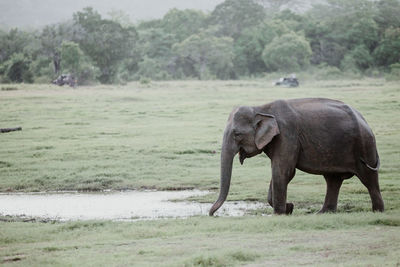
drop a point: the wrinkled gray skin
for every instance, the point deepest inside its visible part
(317, 136)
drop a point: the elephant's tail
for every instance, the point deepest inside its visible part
(378, 163)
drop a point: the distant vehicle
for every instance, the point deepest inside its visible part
(288, 81)
(65, 79)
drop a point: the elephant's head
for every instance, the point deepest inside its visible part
(247, 133)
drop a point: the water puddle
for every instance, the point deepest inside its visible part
(127, 205)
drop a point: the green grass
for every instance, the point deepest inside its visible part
(167, 135)
(326, 240)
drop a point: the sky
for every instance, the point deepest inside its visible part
(37, 13)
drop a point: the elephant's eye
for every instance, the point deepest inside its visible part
(237, 135)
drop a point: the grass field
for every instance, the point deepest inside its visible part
(167, 135)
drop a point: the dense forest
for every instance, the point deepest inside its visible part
(238, 39)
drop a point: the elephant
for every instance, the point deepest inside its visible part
(315, 135)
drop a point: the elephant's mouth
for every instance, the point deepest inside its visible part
(242, 155)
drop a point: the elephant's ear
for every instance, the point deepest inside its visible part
(266, 129)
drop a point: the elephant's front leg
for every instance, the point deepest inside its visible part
(289, 206)
(281, 176)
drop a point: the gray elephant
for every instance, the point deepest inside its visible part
(317, 136)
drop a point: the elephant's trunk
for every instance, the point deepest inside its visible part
(227, 155)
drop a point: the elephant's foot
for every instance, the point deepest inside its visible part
(289, 208)
(378, 207)
(377, 201)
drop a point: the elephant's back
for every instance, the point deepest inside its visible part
(330, 129)
(322, 113)
(318, 105)
(331, 116)
(324, 110)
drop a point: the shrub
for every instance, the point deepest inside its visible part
(42, 67)
(373, 72)
(326, 72)
(357, 59)
(42, 80)
(289, 52)
(75, 62)
(394, 74)
(17, 69)
(145, 80)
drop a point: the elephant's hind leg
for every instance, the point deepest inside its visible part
(333, 184)
(370, 179)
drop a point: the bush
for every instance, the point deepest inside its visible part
(17, 69)
(325, 72)
(152, 69)
(373, 72)
(42, 67)
(357, 59)
(145, 80)
(88, 73)
(394, 74)
(205, 56)
(42, 80)
(75, 62)
(4, 79)
(289, 52)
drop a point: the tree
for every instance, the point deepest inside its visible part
(74, 61)
(289, 52)
(71, 56)
(106, 42)
(232, 16)
(154, 49)
(250, 44)
(388, 51)
(155, 43)
(358, 58)
(183, 23)
(364, 32)
(341, 26)
(273, 6)
(293, 21)
(120, 17)
(206, 56)
(52, 37)
(42, 68)
(17, 68)
(151, 68)
(149, 24)
(15, 41)
(387, 14)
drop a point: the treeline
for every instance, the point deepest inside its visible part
(239, 38)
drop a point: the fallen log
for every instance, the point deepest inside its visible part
(6, 130)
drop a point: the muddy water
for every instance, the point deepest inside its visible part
(129, 205)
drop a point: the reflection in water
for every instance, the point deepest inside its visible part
(127, 205)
